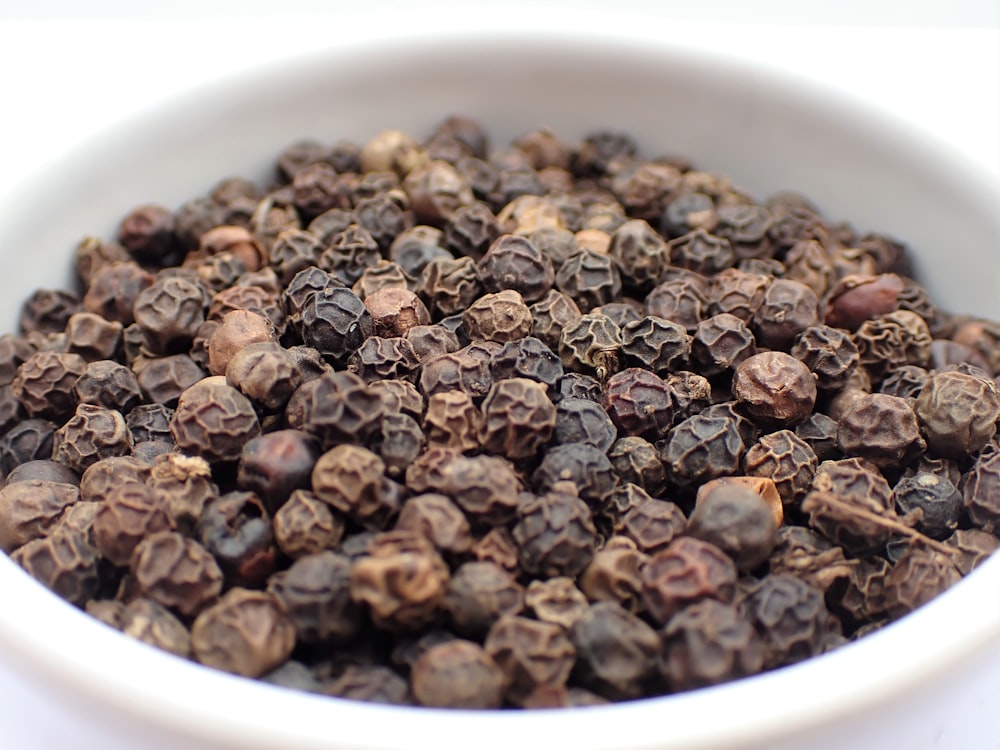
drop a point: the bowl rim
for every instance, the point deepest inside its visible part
(101, 666)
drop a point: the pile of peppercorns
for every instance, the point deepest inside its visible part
(546, 426)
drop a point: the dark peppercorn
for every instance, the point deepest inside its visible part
(590, 279)
(513, 262)
(888, 341)
(147, 232)
(583, 421)
(315, 592)
(655, 344)
(591, 344)
(636, 460)
(616, 651)
(829, 353)
(708, 643)
(584, 465)
(384, 358)
(791, 618)
(29, 440)
(703, 447)
(450, 285)
(176, 572)
(336, 407)
(720, 343)
(399, 441)
(640, 252)
(479, 594)
(163, 379)
(788, 308)
(555, 534)
(847, 503)
(335, 323)
(528, 358)
(736, 520)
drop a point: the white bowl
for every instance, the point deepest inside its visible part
(768, 130)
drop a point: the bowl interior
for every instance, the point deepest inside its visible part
(769, 132)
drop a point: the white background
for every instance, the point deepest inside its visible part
(69, 69)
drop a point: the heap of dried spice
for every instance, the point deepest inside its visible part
(551, 425)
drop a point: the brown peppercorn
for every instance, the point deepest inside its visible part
(456, 371)
(48, 471)
(453, 421)
(395, 311)
(402, 580)
(265, 373)
(682, 298)
(91, 434)
(113, 290)
(304, 525)
(888, 341)
(176, 572)
(184, 485)
(44, 384)
(127, 514)
(737, 520)
(738, 293)
(880, 428)
(104, 475)
(450, 285)
(239, 329)
(65, 561)
(92, 337)
(613, 575)
(973, 547)
(30, 509)
(457, 674)
(958, 413)
(981, 490)
(479, 593)
(848, 499)
(556, 600)
(214, 420)
(856, 298)
(235, 240)
(640, 252)
(774, 388)
(499, 317)
(352, 481)
(108, 384)
(532, 654)
(245, 632)
(152, 623)
(687, 570)
(616, 651)
(721, 343)
(437, 190)
(786, 460)
(518, 418)
(591, 344)
(438, 519)
(147, 232)
(639, 403)
(919, 576)
(708, 643)
(653, 524)
(164, 379)
(803, 553)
